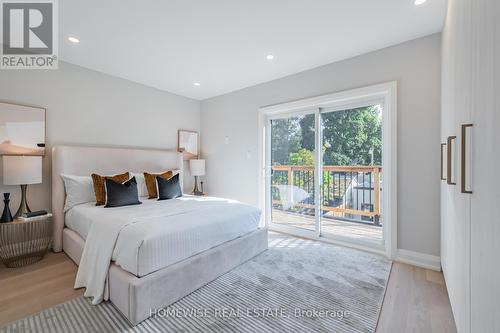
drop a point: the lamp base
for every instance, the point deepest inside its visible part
(23, 206)
(196, 191)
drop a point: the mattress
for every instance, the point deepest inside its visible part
(155, 241)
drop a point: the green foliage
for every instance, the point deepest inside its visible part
(285, 139)
(302, 157)
(350, 137)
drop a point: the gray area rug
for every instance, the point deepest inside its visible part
(296, 286)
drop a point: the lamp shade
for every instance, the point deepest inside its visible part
(22, 170)
(197, 167)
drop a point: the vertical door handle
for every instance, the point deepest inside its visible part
(449, 150)
(463, 159)
(443, 177)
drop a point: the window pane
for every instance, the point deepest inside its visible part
(292, 161)
(352, 173)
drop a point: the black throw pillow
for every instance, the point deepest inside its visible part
(119, 194)
(168, 188)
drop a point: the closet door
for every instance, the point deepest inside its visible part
(485, 218)
(457, 88)
(447, 123)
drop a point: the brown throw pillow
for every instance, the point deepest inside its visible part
(150, 179)
(100, 190)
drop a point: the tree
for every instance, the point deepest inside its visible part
(286, 136)
(350, 137)
(307, 131)
(302, 157)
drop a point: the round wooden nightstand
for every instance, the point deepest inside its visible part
(25, 242)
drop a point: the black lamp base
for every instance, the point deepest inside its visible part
(23, 206)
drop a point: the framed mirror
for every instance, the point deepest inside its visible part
(22, 130)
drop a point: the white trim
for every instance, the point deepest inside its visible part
(364, 95)
(390, 165)
(318, 175)
(385, 92)
(284, 115)
(418, 259)
(264, 174)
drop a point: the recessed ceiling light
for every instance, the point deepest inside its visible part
(74, 40)
(420, 2)
(197, 84)
(269, 57)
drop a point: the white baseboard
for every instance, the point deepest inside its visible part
(419, 259)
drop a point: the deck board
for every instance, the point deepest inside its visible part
(359, 231)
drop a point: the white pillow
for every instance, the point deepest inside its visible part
(141, 183)
(79, 190)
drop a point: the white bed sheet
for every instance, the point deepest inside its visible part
(155, 242)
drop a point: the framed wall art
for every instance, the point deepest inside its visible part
(188, 144)
(22, 130)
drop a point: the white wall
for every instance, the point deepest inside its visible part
(88, 107)
(232, 168)
(91, 108)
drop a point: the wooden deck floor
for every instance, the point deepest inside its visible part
(346, 229)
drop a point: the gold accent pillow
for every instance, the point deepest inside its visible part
(99, 188)
(150, 179)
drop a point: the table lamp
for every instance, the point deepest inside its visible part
(22, 170)
(197, 168)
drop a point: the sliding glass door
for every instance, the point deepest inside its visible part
(326, 173)
(352, 173)
(292, 171)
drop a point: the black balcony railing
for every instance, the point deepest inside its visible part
(347, 192)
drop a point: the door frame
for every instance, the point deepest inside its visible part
(386, 92)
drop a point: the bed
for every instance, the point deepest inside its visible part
(173, 247)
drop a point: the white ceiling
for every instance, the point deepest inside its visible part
(170, 44)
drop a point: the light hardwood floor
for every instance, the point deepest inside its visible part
(31, 289)
(416, 299)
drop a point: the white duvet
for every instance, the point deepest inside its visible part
(148, 237)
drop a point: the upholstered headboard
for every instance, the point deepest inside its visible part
(83, 161)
